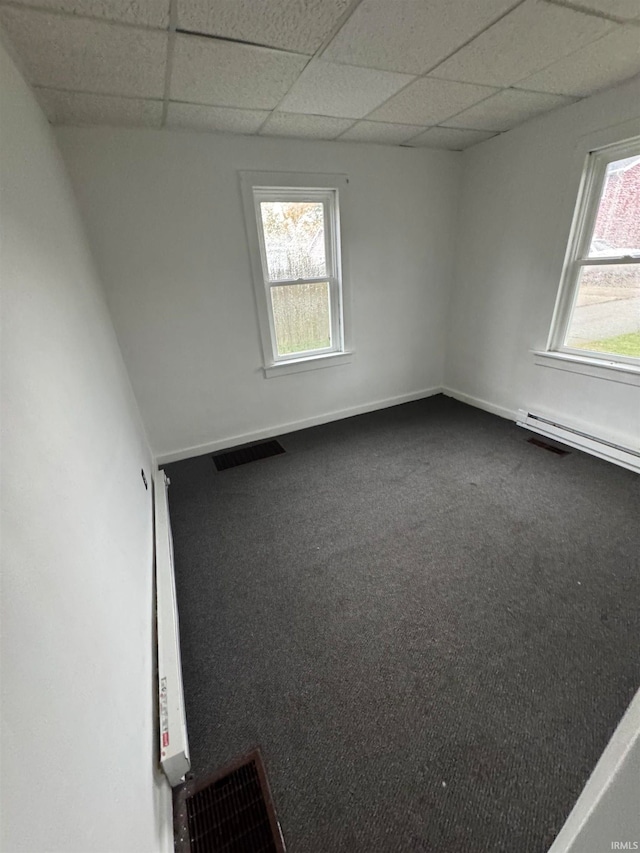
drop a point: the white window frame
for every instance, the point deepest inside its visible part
(576, 258)
(258, 187)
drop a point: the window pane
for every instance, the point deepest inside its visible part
(606, 316)
(294, 239)
(617, 228)
(301, 316)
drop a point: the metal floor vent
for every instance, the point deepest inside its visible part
(546, 446)
(229, 813)
(249, 453)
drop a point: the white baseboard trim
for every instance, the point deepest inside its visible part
(509, 414)
(163, 808)
(293, 426)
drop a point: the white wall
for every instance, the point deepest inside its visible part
(516, 208)
(78, 737)
(164, 216)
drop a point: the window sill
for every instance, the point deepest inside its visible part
(614, 371)
(314, 362)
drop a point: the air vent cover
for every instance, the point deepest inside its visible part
(231, 812)
(546, 446)
(249, 453)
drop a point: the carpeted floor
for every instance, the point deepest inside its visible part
(429, 625)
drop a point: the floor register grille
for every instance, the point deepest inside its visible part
(250, 453)
(230, 813)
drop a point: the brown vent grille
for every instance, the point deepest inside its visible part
(249, 453)
(553, 448)
(231, 812)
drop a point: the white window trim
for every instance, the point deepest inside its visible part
(255, 187)
(587, 362)
(613, 371)
(314, 362)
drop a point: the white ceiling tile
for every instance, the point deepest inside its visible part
(411, 35)
(79, 108)
(381, 132)
(602, 63)
(300, 25)
(304, 126)
(93, 56)
(208, 71)
(325, 88)
(144, 13)
(449, 137)
(523, 42)
(429, 101)
(507, 109)
(222, 119)
(626, 10)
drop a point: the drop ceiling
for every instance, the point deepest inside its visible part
(435, 73)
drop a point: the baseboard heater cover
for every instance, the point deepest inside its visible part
(624, 456)
(174, 746)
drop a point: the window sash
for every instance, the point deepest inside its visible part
(283, 282)
(609, 261)
(586, 353)
(329, 200)
(577, 256)
(334, 320)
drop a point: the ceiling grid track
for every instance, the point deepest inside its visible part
(335, 30)
(173, 21)
(348, 71)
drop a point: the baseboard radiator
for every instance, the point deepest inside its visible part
(174, 746)
(624, 456)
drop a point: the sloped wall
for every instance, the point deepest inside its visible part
(78, 735)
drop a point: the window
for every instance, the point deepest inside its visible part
(293, 225)
(598, 310)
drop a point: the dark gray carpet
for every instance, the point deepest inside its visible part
(429, 626)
